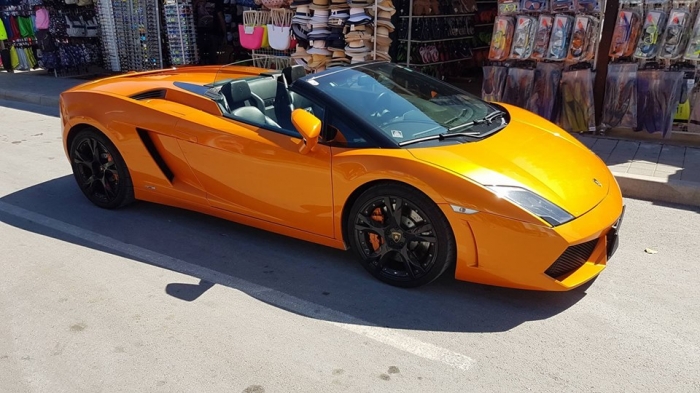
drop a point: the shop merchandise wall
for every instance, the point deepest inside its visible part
(543, 58)
(57, 35)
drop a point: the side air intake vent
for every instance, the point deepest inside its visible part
(149, 95)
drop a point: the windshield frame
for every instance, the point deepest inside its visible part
(323, 84)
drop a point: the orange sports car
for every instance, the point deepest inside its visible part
(412, 174)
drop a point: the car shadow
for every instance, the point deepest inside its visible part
(242, 255)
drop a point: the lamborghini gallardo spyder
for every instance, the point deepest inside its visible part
(412, 174)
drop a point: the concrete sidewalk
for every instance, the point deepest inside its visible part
(645, 170)
(34, 87)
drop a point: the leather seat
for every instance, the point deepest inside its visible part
(243, 105)
(264, 92)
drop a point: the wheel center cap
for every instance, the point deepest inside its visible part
(395, 237)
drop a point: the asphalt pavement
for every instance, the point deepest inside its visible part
(151, 298)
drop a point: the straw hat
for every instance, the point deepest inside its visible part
(319, 5)
(319, 48)
(383, 5)
(384, 19)
(318, 61)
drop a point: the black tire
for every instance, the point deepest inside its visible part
(428, 253)
(100, 170)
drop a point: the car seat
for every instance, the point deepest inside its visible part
(243, 105)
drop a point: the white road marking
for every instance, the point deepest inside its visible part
(280, 299)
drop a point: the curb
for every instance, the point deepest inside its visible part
(659, 190)
(50, 101)
(632, 186)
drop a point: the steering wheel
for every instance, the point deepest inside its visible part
(381, 103)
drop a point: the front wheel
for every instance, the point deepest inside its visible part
(100, 170)
(401, 236)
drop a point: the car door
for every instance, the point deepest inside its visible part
(259, 172)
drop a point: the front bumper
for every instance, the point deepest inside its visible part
(495, 250)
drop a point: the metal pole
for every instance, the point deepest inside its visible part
(159, 34)
(410, 31)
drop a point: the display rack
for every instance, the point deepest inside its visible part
(131, 37)
(409, 39)
(180, 32)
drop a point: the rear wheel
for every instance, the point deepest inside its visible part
(401, 236)
(100, 170)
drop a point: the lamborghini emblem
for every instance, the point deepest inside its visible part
(396, 236)
(597, 182)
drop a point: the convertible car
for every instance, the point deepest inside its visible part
(414, 175)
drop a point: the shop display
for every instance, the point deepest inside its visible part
(559, 41)
(562, 6)
(180, 31)
(494, 83)
(501, 41)
(653, 28)
(694, 117)
(658, 93)
(523, 37)
(692, 51)
(624, 40)
(620, 108)
(675, 36)
(577, 111)
(534, 5)
(546, 83)
(518, 86)
(544, 30)
(583, 39)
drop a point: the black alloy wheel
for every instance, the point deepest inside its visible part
(100, 170)
(401, 236)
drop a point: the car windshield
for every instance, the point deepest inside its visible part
(404, 104)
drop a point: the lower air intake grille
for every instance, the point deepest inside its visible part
(573, 258)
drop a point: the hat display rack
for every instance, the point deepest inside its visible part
(335, 33)
(437, 36)
(652, 79)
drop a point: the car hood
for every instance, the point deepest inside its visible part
(531, 153)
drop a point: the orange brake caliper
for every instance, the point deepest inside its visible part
(375, 239)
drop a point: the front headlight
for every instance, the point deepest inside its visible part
(533, 203)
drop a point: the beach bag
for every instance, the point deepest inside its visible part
(252, 31)
(279, 30)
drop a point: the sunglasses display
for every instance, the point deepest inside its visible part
(180, 32)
